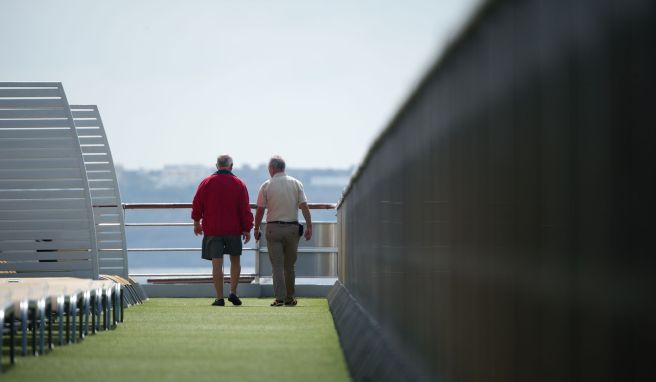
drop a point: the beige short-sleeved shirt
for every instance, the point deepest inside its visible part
(281, 195)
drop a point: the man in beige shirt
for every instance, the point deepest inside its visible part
(283, 196)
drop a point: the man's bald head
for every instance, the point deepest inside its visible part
(224, 162)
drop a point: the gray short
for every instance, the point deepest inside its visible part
(214, 247)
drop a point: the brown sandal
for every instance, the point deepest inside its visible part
(277, 303)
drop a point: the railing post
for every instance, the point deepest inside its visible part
(257, 261)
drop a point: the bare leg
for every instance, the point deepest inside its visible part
(217, 276)
(235, 271)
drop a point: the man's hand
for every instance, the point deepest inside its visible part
(198, 228)
(246, 236)
(308, 220)
(257, 234)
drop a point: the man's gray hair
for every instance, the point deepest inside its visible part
(224, 160)
(277, 162)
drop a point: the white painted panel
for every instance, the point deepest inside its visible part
(43, 245)
(43, 214)
(18, 164)
(105, 210)
(29, 92)
(91, 140)
(80, 253)
(105, 202)
(95, 157)
(59, 153)
(100, 198)
(23, 123)
(89, 131)
(30, 85)
(109, 270)
(103, 193)
(79, 234)
(16, 256)
(37, 133)
(98, 166)
(87, 123)
(94, 149)
(106, 218)
(31, 144)
(39, 174)
(112, 255)
(98, 175)
(114, 245)
(108, 230)
(83, 113)
(42, 204)
(40, 266)
(110, 263)
(30, 103)
(41, 194)
(43, 225)
(109, 235)
(82, 274)
(34, 113)
(42, 184)
(111, 242)
(101, 183)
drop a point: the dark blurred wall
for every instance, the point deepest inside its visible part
(501, 228)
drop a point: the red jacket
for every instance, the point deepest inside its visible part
(221, 201)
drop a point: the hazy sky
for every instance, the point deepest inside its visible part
(181, 81)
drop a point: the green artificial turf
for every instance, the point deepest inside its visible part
(176, 339)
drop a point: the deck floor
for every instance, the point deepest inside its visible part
(189, 340)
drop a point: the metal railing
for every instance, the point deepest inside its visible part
(317, 257)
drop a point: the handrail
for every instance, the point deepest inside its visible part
(157, 206)
(259, 251)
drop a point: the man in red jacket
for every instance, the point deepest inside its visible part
(222, 203)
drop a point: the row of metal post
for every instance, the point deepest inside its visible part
(108, 309)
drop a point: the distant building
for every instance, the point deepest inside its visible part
(329, 181)
(180, 175)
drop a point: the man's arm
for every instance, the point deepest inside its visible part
(259, 214)
(246, 216)
(308, 220)
(259, 211)
(197, 209)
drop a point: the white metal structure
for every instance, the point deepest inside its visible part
(46, 217)
(103, 186)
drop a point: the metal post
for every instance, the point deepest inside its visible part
(34, 330)
(49, 315)
(68, 323)
(23, 308)
(122, 301)
(81, 318)
(98, 307)
(2, 337)
(12, 338)
(87, 302)
(42, 325)
(104, 310)
(114, 307)
(93, 314)
(60, 314)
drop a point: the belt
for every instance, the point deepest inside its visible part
(279, 222)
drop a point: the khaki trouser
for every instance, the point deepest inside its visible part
(282, 243)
